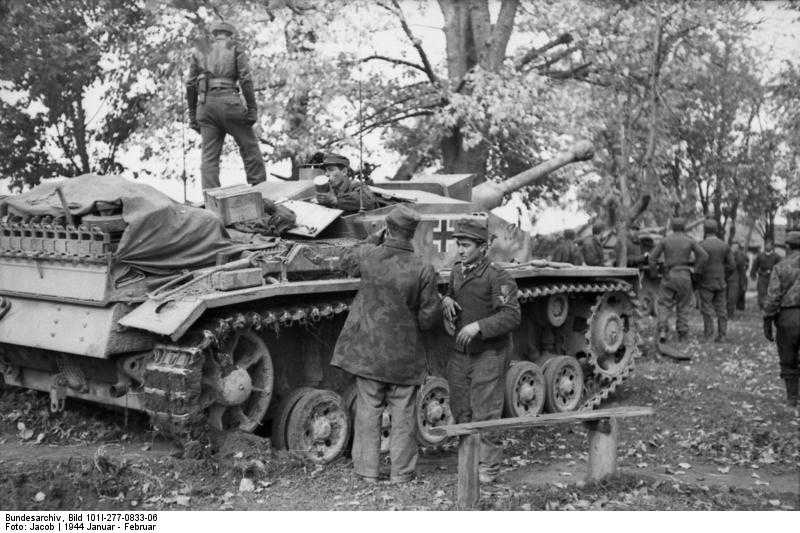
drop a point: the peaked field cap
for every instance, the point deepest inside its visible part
(221, 25)
(335, 159)
(710, 225)
(793, 238)
(472, 228)
(678, 223)
(403, 217)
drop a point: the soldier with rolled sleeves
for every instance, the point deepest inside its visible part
(337, 190)
(676, 283)
(762, 267)
(482, 305)
(782, 309)
(592, 248)
(567, 250)
(218, 69)
(712, 287)
(381, 342)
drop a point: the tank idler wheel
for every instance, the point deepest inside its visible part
(318, 426)
(612, 336)
(557, 309)
(284, 410)
(525, 389)
(349, 400)
(564, 380)
(432, 409)
(243, 394)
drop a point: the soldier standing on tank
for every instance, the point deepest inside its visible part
(482, 303)
(592, 248)
(215, 107)
(737, 280)
(782, 309)
(676, 283)
(712, 288)
(567, 250)
(381, 342)
(763, 265)
(343, 192)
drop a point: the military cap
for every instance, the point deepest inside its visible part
(710, 226)
(403, 217)
(678, 224)
(476, 229)
(793, 239)
(221, 25)
(335, 159)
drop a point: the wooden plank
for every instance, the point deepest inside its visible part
(469, 489)
(536, 421)
(602, 449)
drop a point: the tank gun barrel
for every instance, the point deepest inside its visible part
(489, 194)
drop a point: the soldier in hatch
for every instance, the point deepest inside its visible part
(215, 107)
(342, 192)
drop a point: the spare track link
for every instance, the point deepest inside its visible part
(173, 377)
(606, 386)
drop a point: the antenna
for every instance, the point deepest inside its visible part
(183, 148)
(360, 134)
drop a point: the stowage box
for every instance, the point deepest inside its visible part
(238, 203)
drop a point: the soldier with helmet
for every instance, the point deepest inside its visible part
(381, 342)
(482, 307)
(218, 69)
(713, 289)
(336, 189)
(782, 309)
(676, 283)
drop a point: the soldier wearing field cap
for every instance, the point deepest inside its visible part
(381, 342)
(676, 283)
(337, 190)
(218, 69)
(713, 288)
(782, 309)
(482, 304)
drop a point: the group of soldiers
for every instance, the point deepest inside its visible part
(716, 275)
(381, 342)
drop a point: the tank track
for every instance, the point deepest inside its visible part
(173, 395)
(603, 385)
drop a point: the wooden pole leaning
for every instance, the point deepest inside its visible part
(469, 489)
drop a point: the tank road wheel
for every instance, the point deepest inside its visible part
(284, 410)
(557, 309)
(432, 409)
(243, 388)
(318, 426)
(525, 389)
(612, 335)
(564, 380)
(349, 400)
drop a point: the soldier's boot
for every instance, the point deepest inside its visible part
(708, 329)
(721, 331)
(791, 391)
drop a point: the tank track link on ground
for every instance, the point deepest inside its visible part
(604, 386)
(173, 379)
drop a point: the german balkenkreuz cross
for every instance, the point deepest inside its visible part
(443, 235)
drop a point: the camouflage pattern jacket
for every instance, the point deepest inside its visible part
(719, 265)
(592, 251)
(568, 252)
(784, 285)
(487, 295)
(218, 59)
(381, 337)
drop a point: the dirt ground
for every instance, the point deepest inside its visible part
(721, 439)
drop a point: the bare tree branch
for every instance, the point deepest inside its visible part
(416, 42)
(394, 60)
(533, 53)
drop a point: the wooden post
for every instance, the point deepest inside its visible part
(468, 483)
(602, 448)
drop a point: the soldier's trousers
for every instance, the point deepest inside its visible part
(223, 113)
(712, 303)
(788, 341)
(371, 396)
(476, 393)
(675, 292)
(733, 294)
(761, 288)
(742, 296)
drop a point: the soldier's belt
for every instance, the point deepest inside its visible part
(221, 83)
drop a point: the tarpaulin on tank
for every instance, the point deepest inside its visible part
(162, 235)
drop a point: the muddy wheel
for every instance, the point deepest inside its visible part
(525, 389)
(612, 335)
(564, 381)
(557, 309)
(432, 409)
(284, 410)
(318, 426)
(349, 400)
(242, 389)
